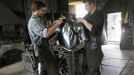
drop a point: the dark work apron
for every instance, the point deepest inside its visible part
(47, 59)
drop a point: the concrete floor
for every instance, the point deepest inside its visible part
(115, 62)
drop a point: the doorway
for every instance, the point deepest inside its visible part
(114, 27)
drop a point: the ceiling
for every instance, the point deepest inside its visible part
(7, 17)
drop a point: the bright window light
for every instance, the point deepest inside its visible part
(80, 10)
(114, 26)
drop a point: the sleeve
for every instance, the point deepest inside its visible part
(98, 24)
(38, 29)
(45, 33)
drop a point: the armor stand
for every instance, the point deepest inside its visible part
(70, 56)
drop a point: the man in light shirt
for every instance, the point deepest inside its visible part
(39, 35)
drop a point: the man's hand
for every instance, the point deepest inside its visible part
(81, 20)
(52, 28)
(86, 24)
(58, 22)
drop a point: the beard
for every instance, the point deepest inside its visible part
(41, 15)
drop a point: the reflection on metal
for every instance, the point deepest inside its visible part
(71, 34)
(69, 38)
(67, 48)
(75, 48)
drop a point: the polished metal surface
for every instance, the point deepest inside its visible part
(72, 33)
(69, 38)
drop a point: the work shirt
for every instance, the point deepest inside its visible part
(97, 20)
(36, 28)
(93, 46)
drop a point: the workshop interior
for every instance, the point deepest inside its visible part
(17, 56)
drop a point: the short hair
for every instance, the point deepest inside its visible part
(90, 1)
(36, 5)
